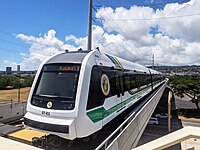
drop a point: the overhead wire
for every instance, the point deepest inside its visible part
(158, 18)
(8, 50)
(123, 33)
(105, 30)
(125, 49)
(149, 4)
(13, 43)
(115, 22)
(137, 19)
(5, 32)
(9, 41)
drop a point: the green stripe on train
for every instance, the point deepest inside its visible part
(101, 113)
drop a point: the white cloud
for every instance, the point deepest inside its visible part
(41, 48)
(177, 41)
(122, 21)
(185, 25)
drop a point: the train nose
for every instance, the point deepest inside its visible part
(62, 127)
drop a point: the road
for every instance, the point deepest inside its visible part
(153, 132)
(156, 131)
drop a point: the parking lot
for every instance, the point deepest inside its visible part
(154, 131)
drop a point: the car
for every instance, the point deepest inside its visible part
(163, 115)
(153, 120)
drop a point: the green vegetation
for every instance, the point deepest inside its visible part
(15, 81)
(187, 85)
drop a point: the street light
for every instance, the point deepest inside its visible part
(19, 86)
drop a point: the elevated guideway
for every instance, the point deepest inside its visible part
(8, 144)
(125, 137)
(172, 139)
(130, 131)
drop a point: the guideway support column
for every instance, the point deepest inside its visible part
(169, 110)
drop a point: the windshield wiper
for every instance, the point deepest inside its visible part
(54, 96)
(43, 95)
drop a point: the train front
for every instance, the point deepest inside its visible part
(52, 99)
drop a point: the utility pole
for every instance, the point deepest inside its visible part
(152, 60)
(89, 46)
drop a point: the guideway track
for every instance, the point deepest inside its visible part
(122, 135)
(54, 142)
(137, 121)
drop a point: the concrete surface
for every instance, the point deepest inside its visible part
(7, 144)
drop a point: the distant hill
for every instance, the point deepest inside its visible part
(178, 70)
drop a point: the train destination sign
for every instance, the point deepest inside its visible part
(61, 67)
(69, 68)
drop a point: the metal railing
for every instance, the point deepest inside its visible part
(109, 141)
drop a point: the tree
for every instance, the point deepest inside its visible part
(15, 81)
(2, 82)
(187, 85)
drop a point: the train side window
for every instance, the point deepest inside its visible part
(113, 83)
(144, 79)
(149, 79)
(95, 96)
(138, 81)
(117, 85)
(127, 83)
(133, 81)
(121, 83)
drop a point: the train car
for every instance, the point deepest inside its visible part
(75, 94)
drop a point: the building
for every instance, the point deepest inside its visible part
(8, 70)
(18, 69)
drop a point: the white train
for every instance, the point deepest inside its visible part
(74, 94)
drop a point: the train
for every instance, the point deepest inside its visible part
(75, 94)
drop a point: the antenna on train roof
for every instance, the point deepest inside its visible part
(97, 48)
(80, 49)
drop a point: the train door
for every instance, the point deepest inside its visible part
(113, 103)
(120, 88)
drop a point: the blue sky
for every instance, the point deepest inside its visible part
(35, 17)
(66, 17)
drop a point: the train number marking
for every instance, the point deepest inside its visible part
(46, 113)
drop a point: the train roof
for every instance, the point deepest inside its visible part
(78, 56)
(71, 57)
(154, 71)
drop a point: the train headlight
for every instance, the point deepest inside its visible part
(68, 106)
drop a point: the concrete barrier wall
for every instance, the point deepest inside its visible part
(12, 111)
(130, 136)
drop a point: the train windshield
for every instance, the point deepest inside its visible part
(57, 84)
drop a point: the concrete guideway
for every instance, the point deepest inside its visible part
(127, 139)
(172, 139)
(130, 135)
(8, 144)
(191, 122)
